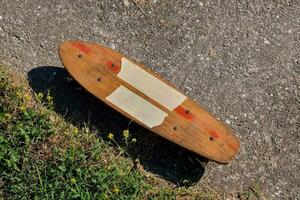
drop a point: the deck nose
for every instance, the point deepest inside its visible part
(83, 47)
(63, 45)
(234, 146)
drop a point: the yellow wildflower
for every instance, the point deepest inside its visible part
(40, 95)
(73, 180)
(22, 108)
(49, 98)
(110, 136)
(126, 134)
(19, 95)
(133, 140)
(115, 190)
(27, 97)
(75, 131)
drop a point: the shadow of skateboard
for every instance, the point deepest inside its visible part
(156, 154)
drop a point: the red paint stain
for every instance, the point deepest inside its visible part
(234, 146)
(213, 133)
(184, 112)
(113, 67)
(82, 47)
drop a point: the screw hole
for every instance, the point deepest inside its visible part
(79, 56)
(211, 138)
(187, 112)
(112, 65)
(175, 128)
(98, 79)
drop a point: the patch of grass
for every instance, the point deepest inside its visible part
(44, 157)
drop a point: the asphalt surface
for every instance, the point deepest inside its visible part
(240, 60)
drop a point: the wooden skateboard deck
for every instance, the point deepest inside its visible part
(143, 96)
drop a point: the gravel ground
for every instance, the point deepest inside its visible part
(240, 60)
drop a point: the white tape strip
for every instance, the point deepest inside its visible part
(137, 107)
(150, 85)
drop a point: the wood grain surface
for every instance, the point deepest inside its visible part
(96, 68)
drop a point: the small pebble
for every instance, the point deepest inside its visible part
(126, 3)
(266, 41)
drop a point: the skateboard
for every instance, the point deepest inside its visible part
(144, 97)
